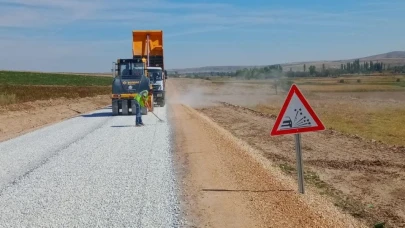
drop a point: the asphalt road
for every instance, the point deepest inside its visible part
(94, 170)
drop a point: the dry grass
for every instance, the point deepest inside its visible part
(352, 84)
(349, 84)
(378, 123)
(368, 118)
(383, 124)
(373, 108)
(350, 88)
(7, 99)
(352, 79)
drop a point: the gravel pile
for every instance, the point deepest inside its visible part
(95, 171)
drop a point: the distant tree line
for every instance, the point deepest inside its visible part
(267, 72)
(199, 74)
(354, 67)
(276, 71)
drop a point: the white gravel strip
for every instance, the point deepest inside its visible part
(90, 172)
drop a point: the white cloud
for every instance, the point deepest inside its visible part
(40, 13)
(200, 30)
(29, 28)
(51, 55)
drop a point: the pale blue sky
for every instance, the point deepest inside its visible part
(87, 35)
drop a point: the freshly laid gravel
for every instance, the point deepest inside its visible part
(94, 171)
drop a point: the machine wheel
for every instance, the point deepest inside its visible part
(162, 103)
(115, 110)
(125, 108)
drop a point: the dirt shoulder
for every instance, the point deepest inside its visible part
(227, 183)
(360, 175)
(365, 179)
(22, 118)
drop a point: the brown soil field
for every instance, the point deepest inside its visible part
(357, 163)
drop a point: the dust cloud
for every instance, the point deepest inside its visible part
(202, 93)
(194, 96)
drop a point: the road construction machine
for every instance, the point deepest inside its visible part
(148, 44)
(130, 78)
(144, 71)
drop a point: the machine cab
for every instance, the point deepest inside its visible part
(130, 69)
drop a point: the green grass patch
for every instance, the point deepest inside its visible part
(11, 94)
(30, 78)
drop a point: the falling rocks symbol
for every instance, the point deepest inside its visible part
(296, 115)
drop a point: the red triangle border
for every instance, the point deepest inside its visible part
(294, 89)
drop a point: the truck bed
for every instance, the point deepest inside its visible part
(139, 41)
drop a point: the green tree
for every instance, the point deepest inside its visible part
(312, 70)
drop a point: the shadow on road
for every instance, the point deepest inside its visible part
(99, 114)
(124, 126)
(235, 190)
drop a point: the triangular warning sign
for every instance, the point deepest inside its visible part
(296, 115)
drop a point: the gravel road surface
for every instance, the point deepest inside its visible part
(94, 170)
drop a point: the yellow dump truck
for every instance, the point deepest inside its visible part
(148, 44)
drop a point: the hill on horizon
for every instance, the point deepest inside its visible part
(393, 58)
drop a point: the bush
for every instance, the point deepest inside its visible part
(398, 80)
(341, 81)
(358, 80)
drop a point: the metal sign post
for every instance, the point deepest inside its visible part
(300, 170)
(296, 117)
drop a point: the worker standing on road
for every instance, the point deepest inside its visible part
(141, 100)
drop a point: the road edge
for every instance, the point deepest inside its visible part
(29, 130)
(310, 198)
